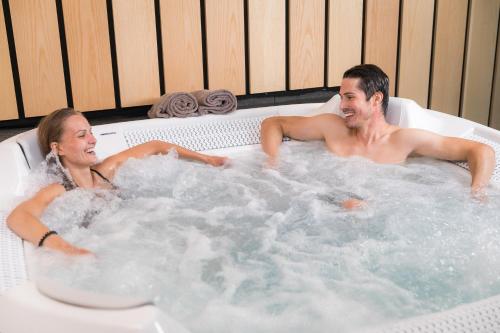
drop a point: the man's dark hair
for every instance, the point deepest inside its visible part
(372, 79)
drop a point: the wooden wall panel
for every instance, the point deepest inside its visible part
(226, 45)
(38, 49)
(181, 36)
(381, 36)
(480, 60)
(8, 106)
(87, 37)
(136, 51)
(344, 49)
(307, 43)
(267, 45)
(495, 102)
(449, 43)
(415, 50)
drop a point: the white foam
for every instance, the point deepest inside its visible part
(256, 250)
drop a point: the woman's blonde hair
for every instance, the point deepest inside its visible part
(50, 128)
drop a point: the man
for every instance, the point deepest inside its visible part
(364, 95)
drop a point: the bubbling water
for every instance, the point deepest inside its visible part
(250, 249)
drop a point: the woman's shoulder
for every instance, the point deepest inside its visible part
(54, 189)
(48, 193)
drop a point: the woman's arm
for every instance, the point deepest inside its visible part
(110, 164)
(25, 222)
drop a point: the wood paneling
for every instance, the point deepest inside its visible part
(344, 47)
(449, 41)
(225, 45)
(307, 43)
(495, 102)
(181, 36)
(267, 45)
(136, 51)
(480, 60)
(381, 36)
(8, 106)
(87, 37)
(415, 50)
(38, 49)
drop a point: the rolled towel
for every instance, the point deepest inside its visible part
(215, 101)
(179, 104)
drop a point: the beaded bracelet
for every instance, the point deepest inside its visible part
(44, 237)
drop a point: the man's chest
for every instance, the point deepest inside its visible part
(384, 152)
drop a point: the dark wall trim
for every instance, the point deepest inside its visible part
(398, 49)
(464, 62)
(64, 53)
(493, 81)
(327, 35)
(287, 45)
(247, 47)
(313, 95)
(13, 59)
(433, 44)
(159, 46)
(114, 61)
(363, 32)
(203, 19)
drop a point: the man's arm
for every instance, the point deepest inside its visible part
(273, 130)
(480, 157)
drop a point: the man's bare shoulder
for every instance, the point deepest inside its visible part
(327, 119)
(413, 133)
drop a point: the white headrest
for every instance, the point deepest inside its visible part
(400, 111)
(29, 145)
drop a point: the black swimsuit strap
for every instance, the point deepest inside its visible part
(100, 175)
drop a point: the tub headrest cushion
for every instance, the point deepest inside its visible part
(400, 110)
(29, 145)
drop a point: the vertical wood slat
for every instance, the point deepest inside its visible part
(181, 36)
(415, 50)
(267, 45)
(449, 44)
(225, 45)
(495, 102)
(307, 43)
(381, 37)
(344, 47)
(136, 51)
(89, 54)
(36, 35)
(480, 60)
(8, 106)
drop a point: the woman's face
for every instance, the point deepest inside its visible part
(77, 143)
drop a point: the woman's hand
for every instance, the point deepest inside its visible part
(216, 160)
(57, 243)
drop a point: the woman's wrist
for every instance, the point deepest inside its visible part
(45, 236)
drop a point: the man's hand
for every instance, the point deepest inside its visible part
(353, 204)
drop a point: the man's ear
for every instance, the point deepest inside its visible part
(378, 97)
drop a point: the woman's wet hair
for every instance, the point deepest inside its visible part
(50, 128)
(372, 79)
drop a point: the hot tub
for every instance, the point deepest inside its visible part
(30, 305)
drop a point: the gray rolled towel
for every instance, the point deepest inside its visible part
(179, 104)
(215, 101)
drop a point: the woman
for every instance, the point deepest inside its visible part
(66, 138)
